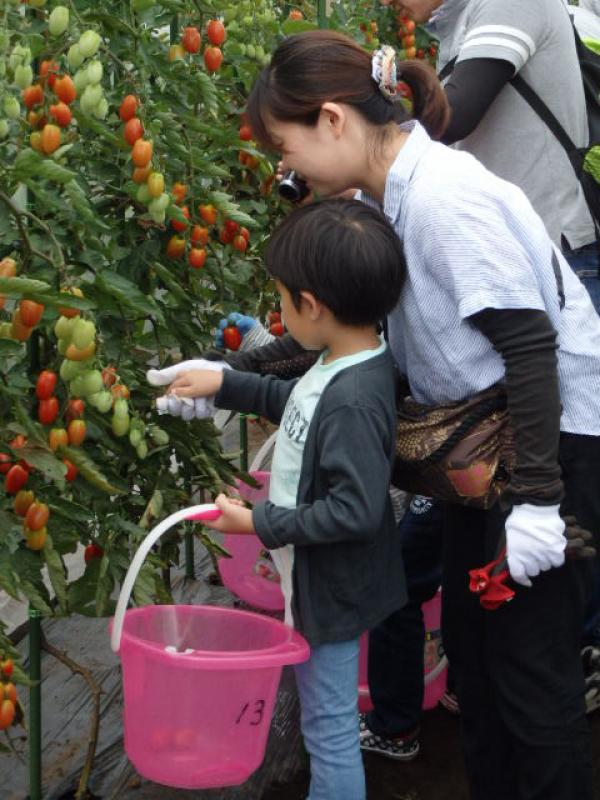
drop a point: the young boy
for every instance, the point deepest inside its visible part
(339, 268)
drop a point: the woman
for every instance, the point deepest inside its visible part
(482, 304)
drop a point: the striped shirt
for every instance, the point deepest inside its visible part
(536, 37)
(472, 241)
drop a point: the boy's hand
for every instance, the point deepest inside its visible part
(235, 517)
(196, 383)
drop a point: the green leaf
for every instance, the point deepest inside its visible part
(291, 26)
(19, 287)
(10, 348)
(127, 293)
(56, 572)
(591, 162)
(225, 204)
(29, 164)
(43, 459)
(90, 471)
(143, 589)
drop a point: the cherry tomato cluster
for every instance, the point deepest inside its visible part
(46, 136)
(191, 41)
(229, 233)
(410, 39)
(8, 694)
(27, 313)
(35, 518)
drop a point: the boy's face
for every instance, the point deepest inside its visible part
(301, 322)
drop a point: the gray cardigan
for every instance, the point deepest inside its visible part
(348, 574)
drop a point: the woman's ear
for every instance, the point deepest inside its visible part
(310, 306)
(334, 117)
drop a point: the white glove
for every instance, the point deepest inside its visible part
(187, 408)
(535, 541)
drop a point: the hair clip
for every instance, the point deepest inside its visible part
(383, 71)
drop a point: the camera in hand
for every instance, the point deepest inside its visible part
(292, 188)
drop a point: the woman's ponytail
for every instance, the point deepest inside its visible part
(430, 104)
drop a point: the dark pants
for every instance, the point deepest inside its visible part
(585, 263)
(396, 646)
(518, 669)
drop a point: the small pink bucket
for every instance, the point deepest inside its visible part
(199, 682)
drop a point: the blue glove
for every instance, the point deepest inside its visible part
(242, 322)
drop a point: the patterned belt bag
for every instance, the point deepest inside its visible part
(462, 453)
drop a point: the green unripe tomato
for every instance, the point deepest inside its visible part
(4, 128)
(64, 327)
(135, 436)
(141, 450)
(58, 22)
(250, 51)
(159, 437)
(102, 401)
(74, 56)
(89, 42)
(160, 203)
(92, 382)
(23, 76)
(266, 60)
(92, 94)
(158, 216)
(143, 195)
(69, 370)
(12, 107)
(80, 80)
(259, 52)
(101, 110)
(94, 71)
(77, 386)
(121, 409)
(248, 21)
(230, 13)
(5, 330)
(84, 333)
(120, 425)
(19, 55)
(63, 346)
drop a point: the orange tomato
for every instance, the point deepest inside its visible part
(128, 107)
(73, 353)
(197, 257)
(179, 192)
(208, 213)
(58, 437)
(35, 540)
(30, 312)
(140, 174)
(19, 330)
(23, 499)
(176, 52)
(141, 154)
(65, 90)
(33, 95)
(76, 431)
(50, 138)
(295, 13)
(133, 130)
(37, 516)
(61, 113)
(48, 70)
(199, 235)
(175, 247)
(7, 714)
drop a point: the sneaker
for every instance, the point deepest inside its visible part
(590, 659)
(449, 701)
(400, 748)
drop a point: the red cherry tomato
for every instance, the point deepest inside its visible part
(72, 470)
(76, 430)
(91, 552)
(48, 410)
(37, 516)
(232, 338)
(16, 478)
(46, 383)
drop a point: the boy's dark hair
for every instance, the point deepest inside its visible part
(345, 253)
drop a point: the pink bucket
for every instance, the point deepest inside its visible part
(245, 574)
(435, 663)
(199, 682)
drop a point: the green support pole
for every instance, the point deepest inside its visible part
(244, 442)
(35, 705)
(189, 556)
(322, 13)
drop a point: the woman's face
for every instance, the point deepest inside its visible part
(316, 152)
(418, 10)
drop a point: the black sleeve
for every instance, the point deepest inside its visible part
(283, 357)
(527, 343)
(471, 89)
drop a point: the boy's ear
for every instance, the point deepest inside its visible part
(310, 305)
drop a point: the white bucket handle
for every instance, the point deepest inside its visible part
(263, 453)
(206, 511)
